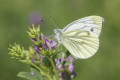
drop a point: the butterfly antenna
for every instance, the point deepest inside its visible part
(53, 22)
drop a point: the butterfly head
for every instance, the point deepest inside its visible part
(58, 33)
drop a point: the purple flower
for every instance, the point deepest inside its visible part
(48, 43)
(71, 59)
(33, 39)
(66, 75)
(32, 59)
(71, 67)
(58, 64)
(67, 71)
(73, 74)
(43, 37)
(36, 19)
(44, 46)
(41, 58)
(36, 48)
(51, 44)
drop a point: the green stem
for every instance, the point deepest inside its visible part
(44, 73)
(54, 68)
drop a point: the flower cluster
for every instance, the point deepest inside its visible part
(42, 56)
(43, 44)
(19, 53)
(65, 67)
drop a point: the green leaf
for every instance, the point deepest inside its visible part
(37, 73)
(59, 55)
(27, 76)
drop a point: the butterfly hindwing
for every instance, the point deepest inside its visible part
(81, 44)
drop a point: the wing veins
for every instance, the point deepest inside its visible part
(76, 22)
(86, 49)
(73, 47)
(86, 40)
(84, 43)
(89, 51)
(78, 49)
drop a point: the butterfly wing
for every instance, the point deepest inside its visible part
(81, 44)
(91, 24)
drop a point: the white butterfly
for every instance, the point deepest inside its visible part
(81, 37)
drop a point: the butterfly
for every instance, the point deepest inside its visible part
(81, 37)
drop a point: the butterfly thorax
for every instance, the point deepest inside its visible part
(58, 33)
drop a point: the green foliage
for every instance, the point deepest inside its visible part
(27, 76)
(34, 32)
(18, 52)
(41, 58)
(37, 73)
(33, 75)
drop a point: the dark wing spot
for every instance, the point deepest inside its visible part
(92, 29)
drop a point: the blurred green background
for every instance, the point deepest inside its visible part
(15, 19)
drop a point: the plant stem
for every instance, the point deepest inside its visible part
(44, 73)
(54, 68)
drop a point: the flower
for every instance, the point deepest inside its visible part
(44, 46)
(71, 59)
(41, 58)
(51, 44)
(65, 72)
(43, 37)
(35, 18)
(36, 48)
(48, 43)
(33, 39)
(32, 59)
(71, 66)
(73, 74)
(58, 64)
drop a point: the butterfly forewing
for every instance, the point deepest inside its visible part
(81, 44)
(90, 24)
